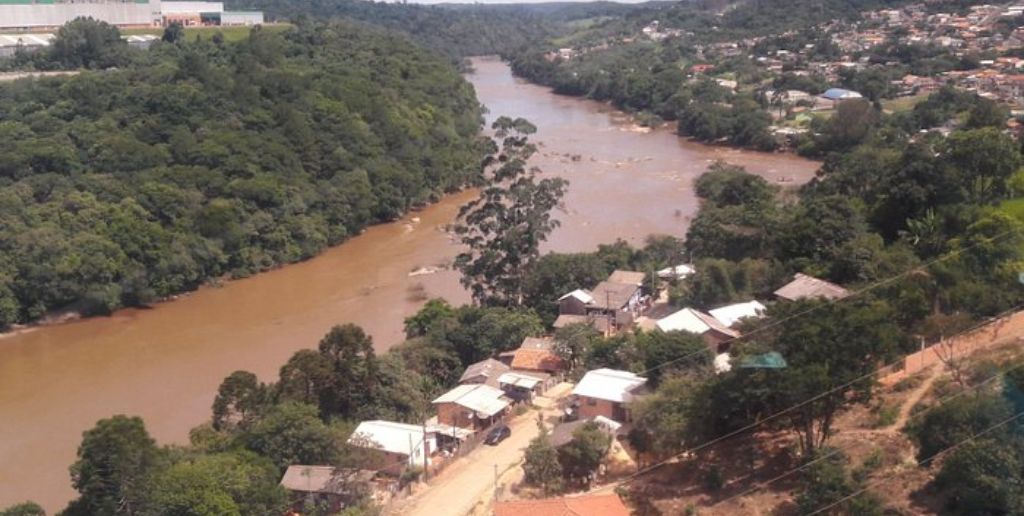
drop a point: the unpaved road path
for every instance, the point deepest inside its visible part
(460, 487)
(914, 398)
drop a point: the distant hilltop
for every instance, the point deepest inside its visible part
(50, 14)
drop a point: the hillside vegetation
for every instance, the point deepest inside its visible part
(457, 30)
(200, 159)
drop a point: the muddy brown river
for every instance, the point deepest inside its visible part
(165, 363)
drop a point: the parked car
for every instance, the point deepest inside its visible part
(497, 435)
(572, 412)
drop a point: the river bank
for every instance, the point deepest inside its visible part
(165, 363)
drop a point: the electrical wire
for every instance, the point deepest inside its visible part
(786, 410)
(919, 463)
(761, 485)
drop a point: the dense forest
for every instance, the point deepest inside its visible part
(457, 30)
(201, 159)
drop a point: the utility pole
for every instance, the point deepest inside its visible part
(426, 454)
(412, 453)
(611, 312)
(495, 482)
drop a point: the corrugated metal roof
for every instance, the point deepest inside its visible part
(28, 40)
(693, 321)
(580, 294)
(627, 277)
(613, 296)
(518, 380)
(482, 399)
(731, 314)
(609, 384)
(323, 479)
(400, 438)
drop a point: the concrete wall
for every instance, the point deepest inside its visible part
(592, 407)
(451, 414)
(241, 18)
(55, 15)
(996, 331)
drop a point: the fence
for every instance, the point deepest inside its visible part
(959, 346)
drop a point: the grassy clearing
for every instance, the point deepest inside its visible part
(901, 104)
(234, 33)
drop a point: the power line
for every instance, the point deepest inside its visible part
(856, 293)
(919, 463)
(786, 410)
(852, 295)
(761, 485)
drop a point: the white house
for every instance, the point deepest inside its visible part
(606, 392)
(731, 314)
(403, 443)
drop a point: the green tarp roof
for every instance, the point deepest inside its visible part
(770, 360)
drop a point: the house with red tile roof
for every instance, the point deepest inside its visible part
(536, 354)
(585, 505)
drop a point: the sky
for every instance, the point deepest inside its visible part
(514, 2)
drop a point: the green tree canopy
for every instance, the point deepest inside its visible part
(581, 457)
(23, 509)
(227, 483)
(504, 227)
(292, 433)
(540, 464)
(114, 462)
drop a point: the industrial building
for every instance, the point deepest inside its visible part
(45, 14)
(206, 13)
(27, 15)
(9, 44)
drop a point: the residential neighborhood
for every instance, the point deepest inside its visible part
(502, 401)
(900, 55)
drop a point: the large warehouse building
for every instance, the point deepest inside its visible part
(49, 14)
(32, 14)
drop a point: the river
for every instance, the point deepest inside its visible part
(165, 363)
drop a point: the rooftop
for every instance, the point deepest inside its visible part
(840, 94)
(323, 479)
(489, 369)
(580, 294)
(804, 287)
(731, 314)
(537, 343)
(519, 380)
(482, 399)
(693, 321)
(613, 296)
(609, 384)
(567, 319)
(585, 505)
(534, 359)
(388, 436)
(627, 277)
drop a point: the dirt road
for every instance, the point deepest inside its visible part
(458, 489)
